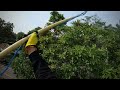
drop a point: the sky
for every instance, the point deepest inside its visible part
(25, 21)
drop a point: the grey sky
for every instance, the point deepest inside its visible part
(28, 20)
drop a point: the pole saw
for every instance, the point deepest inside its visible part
(41, 32)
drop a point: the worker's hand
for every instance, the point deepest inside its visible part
(31, 43)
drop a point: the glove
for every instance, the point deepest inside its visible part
(31, 43)
(33, 40)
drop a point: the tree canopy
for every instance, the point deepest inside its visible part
(6, 32)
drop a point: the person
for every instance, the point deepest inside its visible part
(40, 66)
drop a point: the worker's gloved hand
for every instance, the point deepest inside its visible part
(31, 43)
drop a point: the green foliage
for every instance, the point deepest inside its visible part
(34, 30)
(55, 16)
(71, 53)
(19, 35)
(83, 51)
(6, 32)
(23, 67)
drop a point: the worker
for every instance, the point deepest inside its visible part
(40, 66)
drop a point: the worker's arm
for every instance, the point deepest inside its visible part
(40, 66)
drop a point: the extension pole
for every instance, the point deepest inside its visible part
(41, 32)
